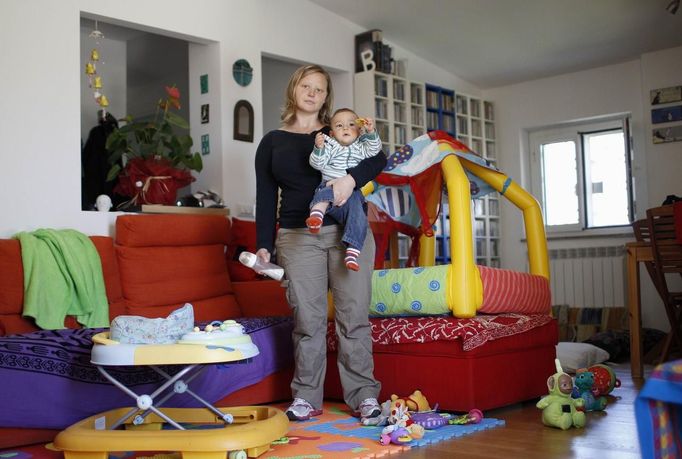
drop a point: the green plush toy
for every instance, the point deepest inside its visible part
(558, 408)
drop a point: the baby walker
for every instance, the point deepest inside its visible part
(242, 431)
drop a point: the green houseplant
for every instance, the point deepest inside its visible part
(156, 153)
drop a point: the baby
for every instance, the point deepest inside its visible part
(333, 156)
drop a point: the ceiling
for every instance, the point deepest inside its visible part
(493, 43)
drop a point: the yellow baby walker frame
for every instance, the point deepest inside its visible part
(245, 431)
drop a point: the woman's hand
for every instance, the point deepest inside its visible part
(263, 255)
(343, 187)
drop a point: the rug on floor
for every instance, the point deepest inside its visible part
(333, 435)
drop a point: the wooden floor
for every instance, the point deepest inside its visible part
(608, 434)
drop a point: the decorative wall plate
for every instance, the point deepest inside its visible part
(242, 72)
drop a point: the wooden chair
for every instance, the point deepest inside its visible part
(667, 253)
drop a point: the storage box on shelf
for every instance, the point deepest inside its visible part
(396, 104)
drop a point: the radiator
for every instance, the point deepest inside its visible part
(591, 277)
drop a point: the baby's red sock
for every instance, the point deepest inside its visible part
(352, 259)
(314, 222)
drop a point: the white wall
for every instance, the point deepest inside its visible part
(41, 90)
(622, 88)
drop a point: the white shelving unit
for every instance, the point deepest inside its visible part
(476, 129)
(396, 104)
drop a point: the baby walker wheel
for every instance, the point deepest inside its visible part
(241, 454)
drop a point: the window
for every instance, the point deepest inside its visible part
(581, 175)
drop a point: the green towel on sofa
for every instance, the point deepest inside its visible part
(62, 276)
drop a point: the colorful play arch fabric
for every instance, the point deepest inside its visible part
(410, 186)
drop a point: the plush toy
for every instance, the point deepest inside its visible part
(397, 436)
(584, 388)
(558, 408)
(399, 414)
(414, 402)
(393, 412)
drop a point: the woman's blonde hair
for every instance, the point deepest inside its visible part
(289, 110)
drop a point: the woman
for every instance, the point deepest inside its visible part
(314, 263)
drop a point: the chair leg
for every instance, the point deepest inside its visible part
(675, 334)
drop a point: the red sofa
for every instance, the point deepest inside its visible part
(158, 262)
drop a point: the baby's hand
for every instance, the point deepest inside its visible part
(319, 140)
(369, 125)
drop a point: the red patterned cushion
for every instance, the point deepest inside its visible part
(473, 332)
(512, 291)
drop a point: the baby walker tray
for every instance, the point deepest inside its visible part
(242, 431)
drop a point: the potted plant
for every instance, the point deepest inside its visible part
(152, 158)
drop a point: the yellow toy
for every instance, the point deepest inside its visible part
(242, 431)
(463, 294)
(414, 402)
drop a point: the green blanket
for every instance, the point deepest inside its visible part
(62, 276)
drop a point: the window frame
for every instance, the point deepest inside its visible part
(575, 132)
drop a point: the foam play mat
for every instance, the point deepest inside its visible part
(333, 435)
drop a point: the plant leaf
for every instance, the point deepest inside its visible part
(177, 120)
(113, 172)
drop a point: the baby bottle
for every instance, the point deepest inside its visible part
(269, 269)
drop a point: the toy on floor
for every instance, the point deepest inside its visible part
(393, 412)
(431, 419)
(474, 416)
(558, 408)
(414, 402)
(584, 388)
(398, 436)
(604, 379)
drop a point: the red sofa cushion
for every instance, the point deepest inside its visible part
(12, 278)
(168, 260)
(171, 230)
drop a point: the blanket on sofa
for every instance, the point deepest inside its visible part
(62, 276)
(49, 382)
(473, 332)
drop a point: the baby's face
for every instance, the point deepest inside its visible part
(344, 128)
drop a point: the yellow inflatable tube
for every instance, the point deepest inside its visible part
(538, 259)
(465, 290)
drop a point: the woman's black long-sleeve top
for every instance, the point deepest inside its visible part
(282, 163)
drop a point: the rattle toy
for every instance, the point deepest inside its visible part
(472, 417)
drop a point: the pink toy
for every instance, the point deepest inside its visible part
(399, 436)
(472, 417)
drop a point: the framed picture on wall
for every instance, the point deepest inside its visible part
(666, 95)
(204, 114)
(243, 121)
(667, 134)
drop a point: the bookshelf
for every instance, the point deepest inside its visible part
(440, 109)
(476, 129)
(396, 104)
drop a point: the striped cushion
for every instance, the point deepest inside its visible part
(512, 291)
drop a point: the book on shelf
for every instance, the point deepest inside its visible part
(367, 41)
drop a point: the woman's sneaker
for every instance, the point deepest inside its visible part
(369, 408)
(301, 410)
